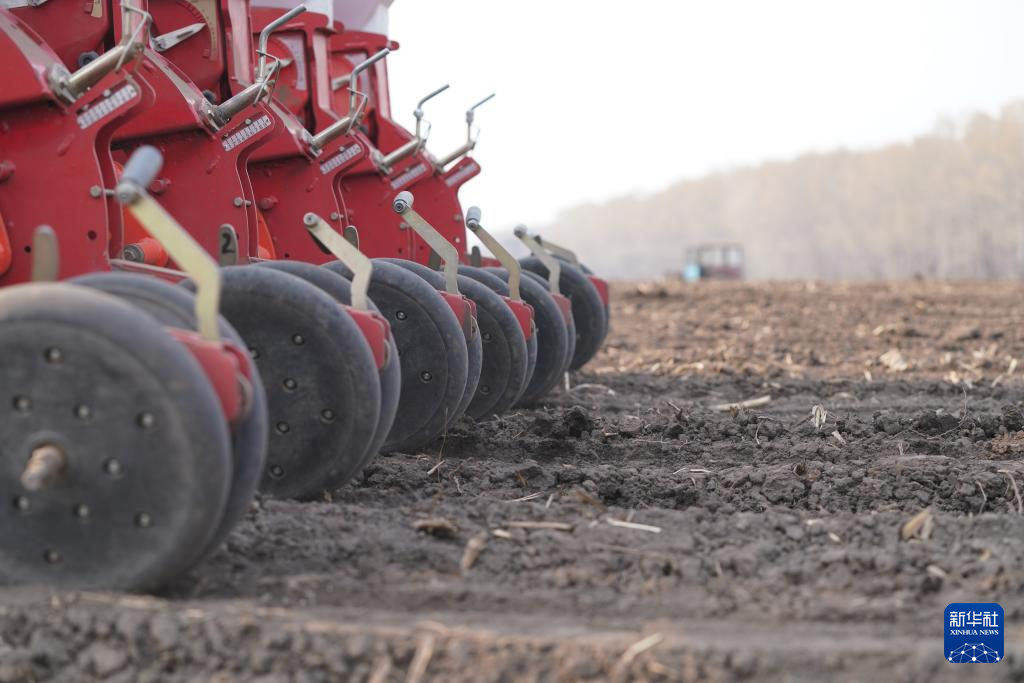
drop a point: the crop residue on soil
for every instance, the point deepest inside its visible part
(633, 528)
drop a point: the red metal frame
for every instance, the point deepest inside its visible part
(57, 163)
(290, 177)
(436, 189)
(70, 27)
(274, 177)
(57, 156)
(215, 178)
(367, 194)
(303, 90)
(368, 191)
(204, 182)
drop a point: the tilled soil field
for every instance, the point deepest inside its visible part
(636, 527)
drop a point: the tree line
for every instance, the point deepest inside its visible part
(949, 204)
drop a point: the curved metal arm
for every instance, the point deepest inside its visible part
(418, 113)
(348, 254)
(344, 125)
(558, 250)
(270, 28)
(471, 112)
(445, 249)
(499, 251)
(552, 264)
(470, 143)
(386, 162)
(71, 86)
(139, 172)
(220, 114)
(353, 83)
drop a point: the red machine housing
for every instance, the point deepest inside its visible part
(327, 53)
(42, 133)
(272, 175)
(316, 54)
(304, 89)
(365, 188)
(436, 189)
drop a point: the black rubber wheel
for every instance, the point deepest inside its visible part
(570, 324)
(175, 307)
(474, 345)
(531, 365)
(588, 310)
(475, 357)
(431, 348)
(551, 334)
(501, 287)
(390, 375)
(503, 376)
(146, 453)
(605, 306)
(323, 393)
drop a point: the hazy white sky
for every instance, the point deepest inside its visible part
(599, 98)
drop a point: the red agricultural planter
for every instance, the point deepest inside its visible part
(174, 103)
(440, 371)
(330, 368)
(399, 161)
(269, 150)
(135, 430)
(249, 182)
(439, 374)
(507, 330)
(294, 174)
(437, 182)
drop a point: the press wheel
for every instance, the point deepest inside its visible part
(588, 310)
(323, 393)
(431, 348)
(390, 376)
(175, 307)
(552, 338)
(116, 460)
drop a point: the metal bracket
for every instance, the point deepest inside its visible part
(344, 126)
(265, 38)
(499, 251)
(445, 249)
(353, 84)
(388, 161)
(45, 255)
(558, 250)
(138, 173)
(470, 143)
(552, 264)
(166, 41)
(418, 113)
(71, 86)
(348, 254)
